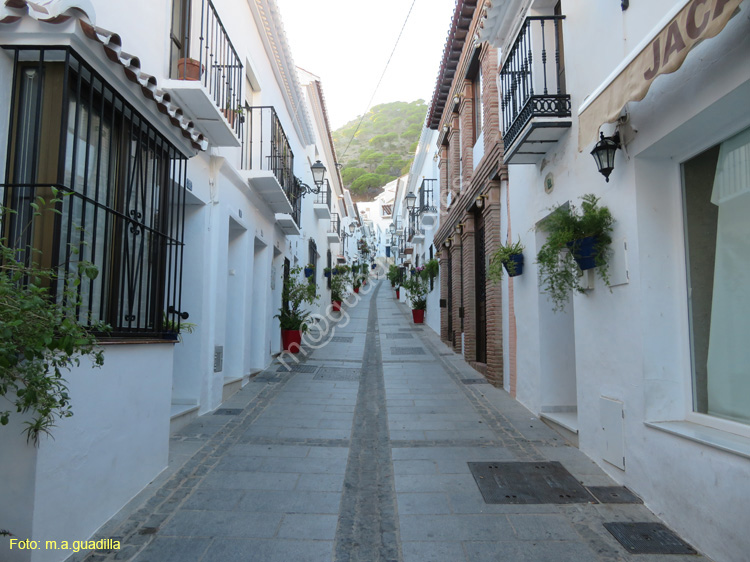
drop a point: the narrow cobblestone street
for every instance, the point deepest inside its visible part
(360, 454)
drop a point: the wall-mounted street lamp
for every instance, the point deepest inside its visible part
(459, 227)
(411, 201)
(480, 201)
(448, 242)
(319, 173)
(392, 228)
(351, 228)
(604, 153)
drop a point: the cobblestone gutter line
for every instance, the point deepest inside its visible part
(368, 522)
(139, 529)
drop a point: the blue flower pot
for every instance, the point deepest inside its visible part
(517, 268)
(327, 273)
(309, 271)
(584, 252)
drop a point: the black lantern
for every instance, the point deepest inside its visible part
(392, 228)
(604, 153)
(318, 172)
(351, 228)
(411, 200)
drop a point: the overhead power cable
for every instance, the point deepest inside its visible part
(379, 81)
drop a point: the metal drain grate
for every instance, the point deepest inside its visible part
(475, 381)
(412, 329)
(228, 412)
(648, 538)
(338, 374)
(613, 494)
(407, 351)
(400, 336)
(342, 339)
(298, 368)
(527, 483)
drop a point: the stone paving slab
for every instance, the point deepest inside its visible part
(373, 469)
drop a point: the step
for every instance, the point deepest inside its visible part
(565, 423)
(181, 415)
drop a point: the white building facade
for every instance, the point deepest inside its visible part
(649, 377)
(195, 198)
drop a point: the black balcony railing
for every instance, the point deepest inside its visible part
(531, 80)
(324, 197)
(294, 193)
(220, 66)
(335, 226)
(426, 191)
(265, 147)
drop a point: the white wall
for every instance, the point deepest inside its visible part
(631, 343)
(115, 443)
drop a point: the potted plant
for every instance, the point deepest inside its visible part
(508, 256)
(356, 281)
(338, 291)
(327, 272)
(293, 318)
(189, 69)
(578, 239)
(392, 275)
(417, 287)
(309, 270)
(431, 268)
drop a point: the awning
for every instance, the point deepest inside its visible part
(663, 54)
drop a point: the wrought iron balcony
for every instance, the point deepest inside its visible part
(535, 107)
(334, 229)
(209, 77)
(427, 207)
(268, 161)
(322, 204)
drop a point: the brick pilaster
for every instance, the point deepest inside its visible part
(456, 292)
(444, 335)
(492, 215)
(466, 119)
(490, 97)
(469, 288)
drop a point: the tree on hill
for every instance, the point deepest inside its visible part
(380, 148)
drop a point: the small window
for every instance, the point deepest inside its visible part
(716, 195)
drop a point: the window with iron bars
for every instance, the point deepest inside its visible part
(120, 186)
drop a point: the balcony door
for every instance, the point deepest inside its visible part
(179, 33)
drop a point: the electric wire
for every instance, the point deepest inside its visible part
(379, 81)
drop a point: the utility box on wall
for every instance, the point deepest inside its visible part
(218, 359)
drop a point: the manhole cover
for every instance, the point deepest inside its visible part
(527, 483)
(337, 374)
(474, 381)
(228, 412)
(392, 336)
(648, 538)
(342, 339)
(614, 494)
(407, 351)
(298, 368)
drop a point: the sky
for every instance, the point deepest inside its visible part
(347, 44)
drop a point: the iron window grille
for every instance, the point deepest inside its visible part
(531, 84)
(121, 195)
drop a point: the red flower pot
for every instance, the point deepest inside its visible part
(356, 289)
(291, 340)
(398, 294)
(189, 69)
(336, 306)
(418, 316)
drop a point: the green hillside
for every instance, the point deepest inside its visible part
(382, 148)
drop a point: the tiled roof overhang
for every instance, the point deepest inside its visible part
(454, 45)
(60, 11)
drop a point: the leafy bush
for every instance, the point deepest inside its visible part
(418, 289)
(39, 335)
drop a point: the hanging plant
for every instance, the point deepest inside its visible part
(578, 238)
(509, 257)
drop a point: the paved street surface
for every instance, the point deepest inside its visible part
(360, 454)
